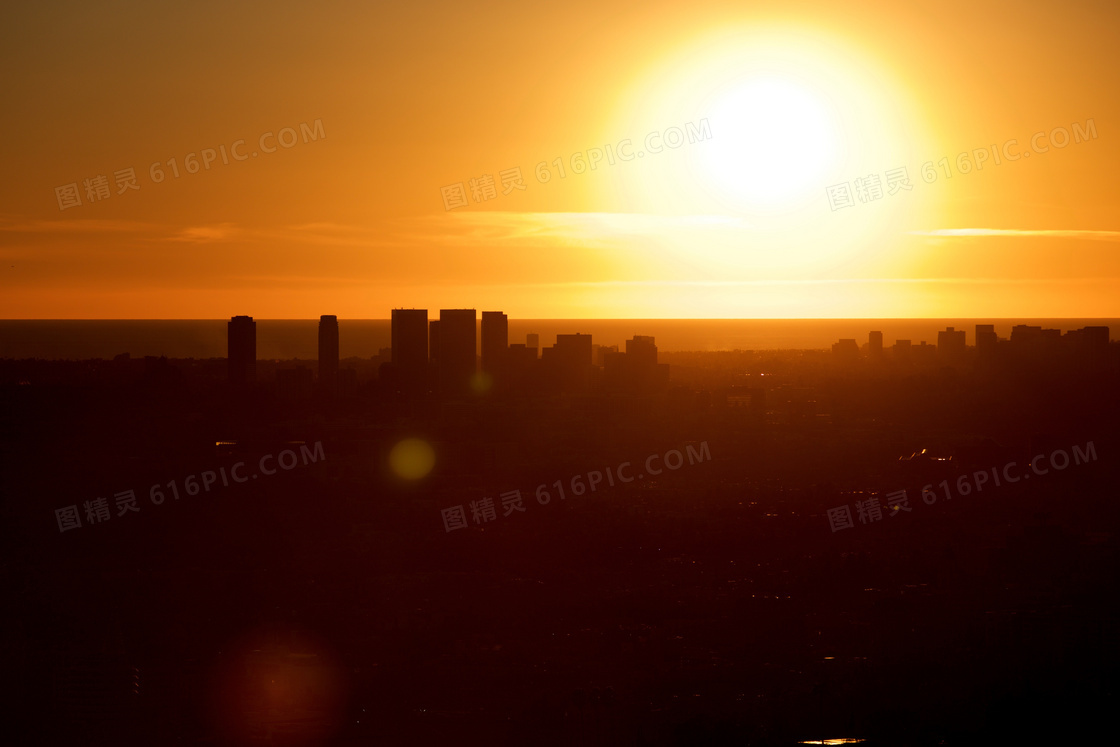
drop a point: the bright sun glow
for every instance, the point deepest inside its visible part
(790, 112)
(780, 140)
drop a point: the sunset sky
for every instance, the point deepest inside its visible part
(783, 100)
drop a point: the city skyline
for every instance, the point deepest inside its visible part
(582, 373)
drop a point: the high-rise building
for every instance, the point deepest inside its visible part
(533, 340)
(574, 348)
(241, 356)
(568, 362)
(637, 370)
(521, 363)
(642, 350)
(410, 345)
(1034, 343)
(457, 350)
(875, 344)
(951, 345)
(328, 350)
(986, 340)
(495, 341)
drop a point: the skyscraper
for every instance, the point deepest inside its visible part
(875, 344)
(457, 350)
(951, 345)
(986, 340)
(328, 350)
(410, 344)
(241, 347)
(495, 340)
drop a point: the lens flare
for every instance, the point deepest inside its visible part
(412, 459)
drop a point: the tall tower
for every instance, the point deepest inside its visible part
(495, 340)
(241, 350)
(875, 344)
(410, 344)
(457, 349)
(328, 350)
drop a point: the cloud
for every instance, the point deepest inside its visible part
(583, 228)
(74, 225)
(1039, 233)
(314, 234)
(810, 282)
(205, 234)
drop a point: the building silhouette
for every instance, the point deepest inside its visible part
(875, 344)
(328, 350)
(923, 353)
(951, 345)
(642, 350)
(986, 341)
(241, 346)
(457, 361)
(1087, 347)
(1034, 346)
(599, 353)
(409, 330)
(533, 340)
(845, 351)
(900, 351)
(495, 341)
(568, 364)
(636, 371)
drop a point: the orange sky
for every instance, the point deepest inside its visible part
(797, 96)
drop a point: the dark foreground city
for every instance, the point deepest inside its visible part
(893, 544)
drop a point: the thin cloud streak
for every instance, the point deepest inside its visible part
(820, 281)
(460, 228)
(76, 225)
(205, 234)
(315, 234)
(1042, 233)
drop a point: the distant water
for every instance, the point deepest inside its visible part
(297, 338)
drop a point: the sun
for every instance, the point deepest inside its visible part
(789, 111)
(779, 140)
